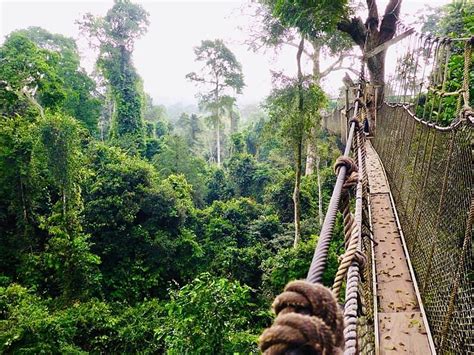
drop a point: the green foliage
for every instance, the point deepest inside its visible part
(234, 236)
(285, 115)
(310, 18)
(248, 177)
(175, 157)
(67, 251)
(218, 187)
(127, 205)
(288, 264)
(315, 21)
(453, 20)
(95, 233)
(293, 264)
(209, 315)
(26, 325)
(29, 77)
(80, 100)
(30, 325)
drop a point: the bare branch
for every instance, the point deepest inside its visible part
(354, 28)
(372, 22)
(389, 21)
(333, 66)
(305, 51)
(337, 65)
(352, 70)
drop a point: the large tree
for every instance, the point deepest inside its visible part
(281, 23)
(115, 35)
(309, 17)
(221, 78)
(293, 110)
(29, 80)
(370, 36)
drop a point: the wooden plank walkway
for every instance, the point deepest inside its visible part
(400, 324)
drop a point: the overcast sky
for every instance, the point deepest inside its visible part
(165, 54)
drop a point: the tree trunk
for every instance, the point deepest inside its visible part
(320, 197)
(299, 149)
(218, 133)
(64, 205)
(218, 138)
(369, 36)
(311, 149)
(376, 66)
(296, 196)
(311, 154)
(23, 203)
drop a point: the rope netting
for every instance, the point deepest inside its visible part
(425, 139)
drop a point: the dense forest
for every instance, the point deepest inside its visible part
(128, 227)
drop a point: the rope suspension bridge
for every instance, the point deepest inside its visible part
(406, 196)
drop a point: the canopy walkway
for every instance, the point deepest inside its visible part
(406, 196)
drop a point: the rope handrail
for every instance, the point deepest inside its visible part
(299, 323)
(454, 125)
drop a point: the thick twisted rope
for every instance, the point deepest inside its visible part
(466, 73)
(351, 230)
(352, 307)
(308, 321)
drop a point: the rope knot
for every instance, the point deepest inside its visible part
(348, 162)
(355, 121)
(308, 320)
(360, 258)
(467, 114)
(351, 180)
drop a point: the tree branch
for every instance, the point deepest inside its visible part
(352, 70)
(354, 28)
(372, 22)
(305, 51)
(337, 65)
(389, 21)
(334, 66)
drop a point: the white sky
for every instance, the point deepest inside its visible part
(165, 54)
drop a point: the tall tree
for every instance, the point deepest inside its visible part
(116, 34)
(190, 128)
(67, 251)
(280, 27)
(293, 111)
(327, 14)
(221, 77)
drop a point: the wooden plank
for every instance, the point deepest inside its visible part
(400, 323)
(387, 44)
(403, 333)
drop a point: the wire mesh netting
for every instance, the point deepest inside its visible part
(425, 139)
(431, 175)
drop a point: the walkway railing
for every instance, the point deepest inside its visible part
(430, 165)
